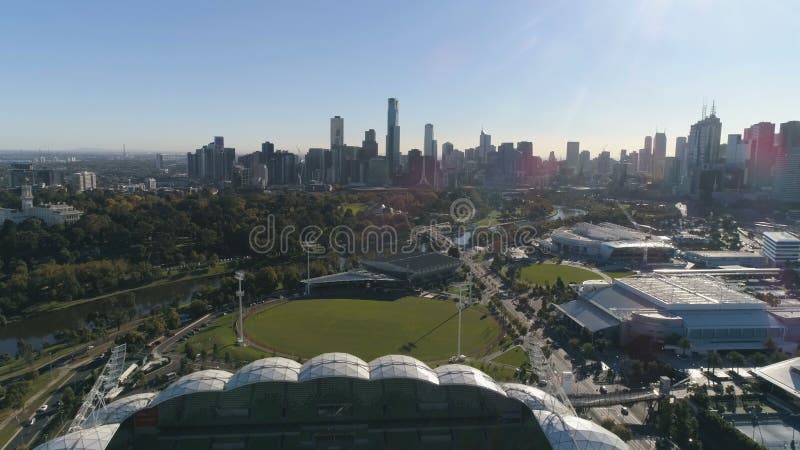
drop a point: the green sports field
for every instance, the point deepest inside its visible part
(541, 274)
(424, 328)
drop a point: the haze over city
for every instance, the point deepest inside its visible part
(165, 77)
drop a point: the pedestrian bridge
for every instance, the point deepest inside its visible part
(613, 398)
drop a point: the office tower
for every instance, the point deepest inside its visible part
(736, 152)
(159, 161)
(393, 137)
(283, 170)
(584, 161)
(604, 163)
(761, 140)
(213, 162)
(525, 148)
(573, 154)
(315, 168)
(646, 156)
(337, 131)
(267, 150)
(428, 149)
(369, 146)
(659, 156)
(552, 157)
(82, 181)
(485, 147)
(702, 154)
(623, 155)
(633, 161)
(787, 165)
(680, 148)
(447, 149)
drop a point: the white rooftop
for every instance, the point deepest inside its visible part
(688, 292)
(785, 375)
(781, 236)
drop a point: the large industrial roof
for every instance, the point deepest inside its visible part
(411, 262)
(268, 369)
(588, 315)
(687, 291)
(95, 438)
(351, 277)
(334, 365)
(202, 381)
(401, 366)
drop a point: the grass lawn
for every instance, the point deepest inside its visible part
(221, 333)
(423, 328)
(354, 208)
(493, 218)
(619, 273)
(515, 356)
(540, 274)
(498, 373)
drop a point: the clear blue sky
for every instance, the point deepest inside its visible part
(169, 75)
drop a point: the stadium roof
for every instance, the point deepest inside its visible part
(119, 410)
(410, 263)
(401, 366)
(571, 432)
(95, 438)
(268, 369)
(202, 381)
(784, 375)
(560, 426)
(334, 365)
(350, 277)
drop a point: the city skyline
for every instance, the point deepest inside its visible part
(523, 71)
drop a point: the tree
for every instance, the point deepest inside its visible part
(758, 359)
(587, 350)
(685, 344)
(171, 318)
(730, 390)
(713, 359)
(736, 359)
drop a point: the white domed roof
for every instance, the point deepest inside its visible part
(535, 398)
(334, 365)
(571, 432)
(202, 381)
(95, 438)
(121, 409)
(466, 375)
(401, 366)
(267, 369)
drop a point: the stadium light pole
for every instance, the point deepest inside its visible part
(239, 275)
(458, 353)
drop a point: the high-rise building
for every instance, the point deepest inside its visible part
(428, 149)
(485, 146)
(737, 152)
(584, 163)
(82, 181)
(573, 154)
(369, 146)
(268, 150)
(646, 156)
(337, 131)
(159, 161)
(680, 148)
(702, 154)
(393, 137)
(761, 140)
(623, 155)
(659, 155)
(447, 149)
(787, 165)
(315, 168)
(213, 162)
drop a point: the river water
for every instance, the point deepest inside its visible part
(36, 330)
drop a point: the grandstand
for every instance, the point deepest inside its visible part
(608, 242)
(338, 401)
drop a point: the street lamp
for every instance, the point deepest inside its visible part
(239, 275)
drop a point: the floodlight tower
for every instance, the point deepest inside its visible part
(239, 275)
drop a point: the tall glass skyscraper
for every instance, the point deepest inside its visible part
(393, 137)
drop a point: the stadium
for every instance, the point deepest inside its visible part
(702, 308)
(608, 242)
(338, 401)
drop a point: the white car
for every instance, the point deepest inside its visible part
(41, 409)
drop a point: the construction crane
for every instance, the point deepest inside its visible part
(106, 381)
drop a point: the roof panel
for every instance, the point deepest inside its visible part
(401, 366)
(202, 381)
(334, 365)
(459, 374)
(265, 370)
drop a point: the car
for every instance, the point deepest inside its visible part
(41, 409)
(32, 421)
(624, 411)
(603, 390)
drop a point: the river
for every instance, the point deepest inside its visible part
(43, 326)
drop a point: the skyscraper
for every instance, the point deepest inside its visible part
(369, 147)
(761, 140)
(393, 137)
(485, 146)
(428, 149)
(702, 154)
(267, 151)
(659, 155)
(787, 165)
(573, 154)
(680, 148)
(646, 156)
(337, 131)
